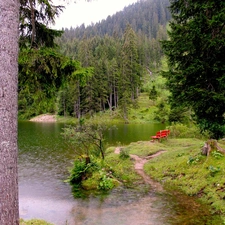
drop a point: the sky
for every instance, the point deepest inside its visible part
(85, 12)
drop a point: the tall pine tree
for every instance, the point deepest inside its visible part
(130, 78)
(195, 51)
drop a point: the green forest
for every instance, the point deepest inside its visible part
(80, 71)
(159, 48)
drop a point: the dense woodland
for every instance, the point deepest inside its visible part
(83, 70)
(146, 17)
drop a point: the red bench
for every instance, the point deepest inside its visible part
(160, 134)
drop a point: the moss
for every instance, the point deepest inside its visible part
(92, 182)
(34, 222)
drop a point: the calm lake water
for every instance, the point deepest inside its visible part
(43, 166)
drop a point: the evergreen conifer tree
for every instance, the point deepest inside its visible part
(195, 51)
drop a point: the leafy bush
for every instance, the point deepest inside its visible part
(80, 171)
(163, 110)
(179, 114)
(106, 182)
(179, 130)
(94, 176)
(153, 93)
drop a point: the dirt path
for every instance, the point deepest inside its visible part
(139, 167)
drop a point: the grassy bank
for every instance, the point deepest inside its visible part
(182, 167)
(34, 222)
(144, 113)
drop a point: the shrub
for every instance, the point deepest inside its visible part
(106, 182)
(179, 130)
(80, 171)
(124, 153)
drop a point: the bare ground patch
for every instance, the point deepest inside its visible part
(44, 118)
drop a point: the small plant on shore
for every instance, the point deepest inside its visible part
(217, 155)
(80, 171)
(194, 159)
(124, 153)
(86, 138)
(93, 176)
(106, 182)
(213, 170)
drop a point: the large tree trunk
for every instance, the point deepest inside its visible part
(9, 17)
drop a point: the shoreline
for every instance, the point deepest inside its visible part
(48, 118)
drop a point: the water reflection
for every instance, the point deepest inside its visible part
(121, 207)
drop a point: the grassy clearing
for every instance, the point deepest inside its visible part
(144, 113)
(146, 148)
(34, 222)
(183, 168)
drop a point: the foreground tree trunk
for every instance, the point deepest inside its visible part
(9, 17)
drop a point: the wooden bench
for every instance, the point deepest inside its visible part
(160, 134)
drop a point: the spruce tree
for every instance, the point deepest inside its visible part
(130, 78)
(195, 52)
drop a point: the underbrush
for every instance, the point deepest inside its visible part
(100, 176)
(179, 130)
(96, 175)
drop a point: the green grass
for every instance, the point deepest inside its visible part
(123, 169)
(180, 168)
(144, 148)
(144, 113)
(34, 222)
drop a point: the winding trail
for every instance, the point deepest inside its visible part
(139, 167)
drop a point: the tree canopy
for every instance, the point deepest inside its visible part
(35, 16)
(195, 51)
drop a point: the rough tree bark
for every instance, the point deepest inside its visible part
(9, 21)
